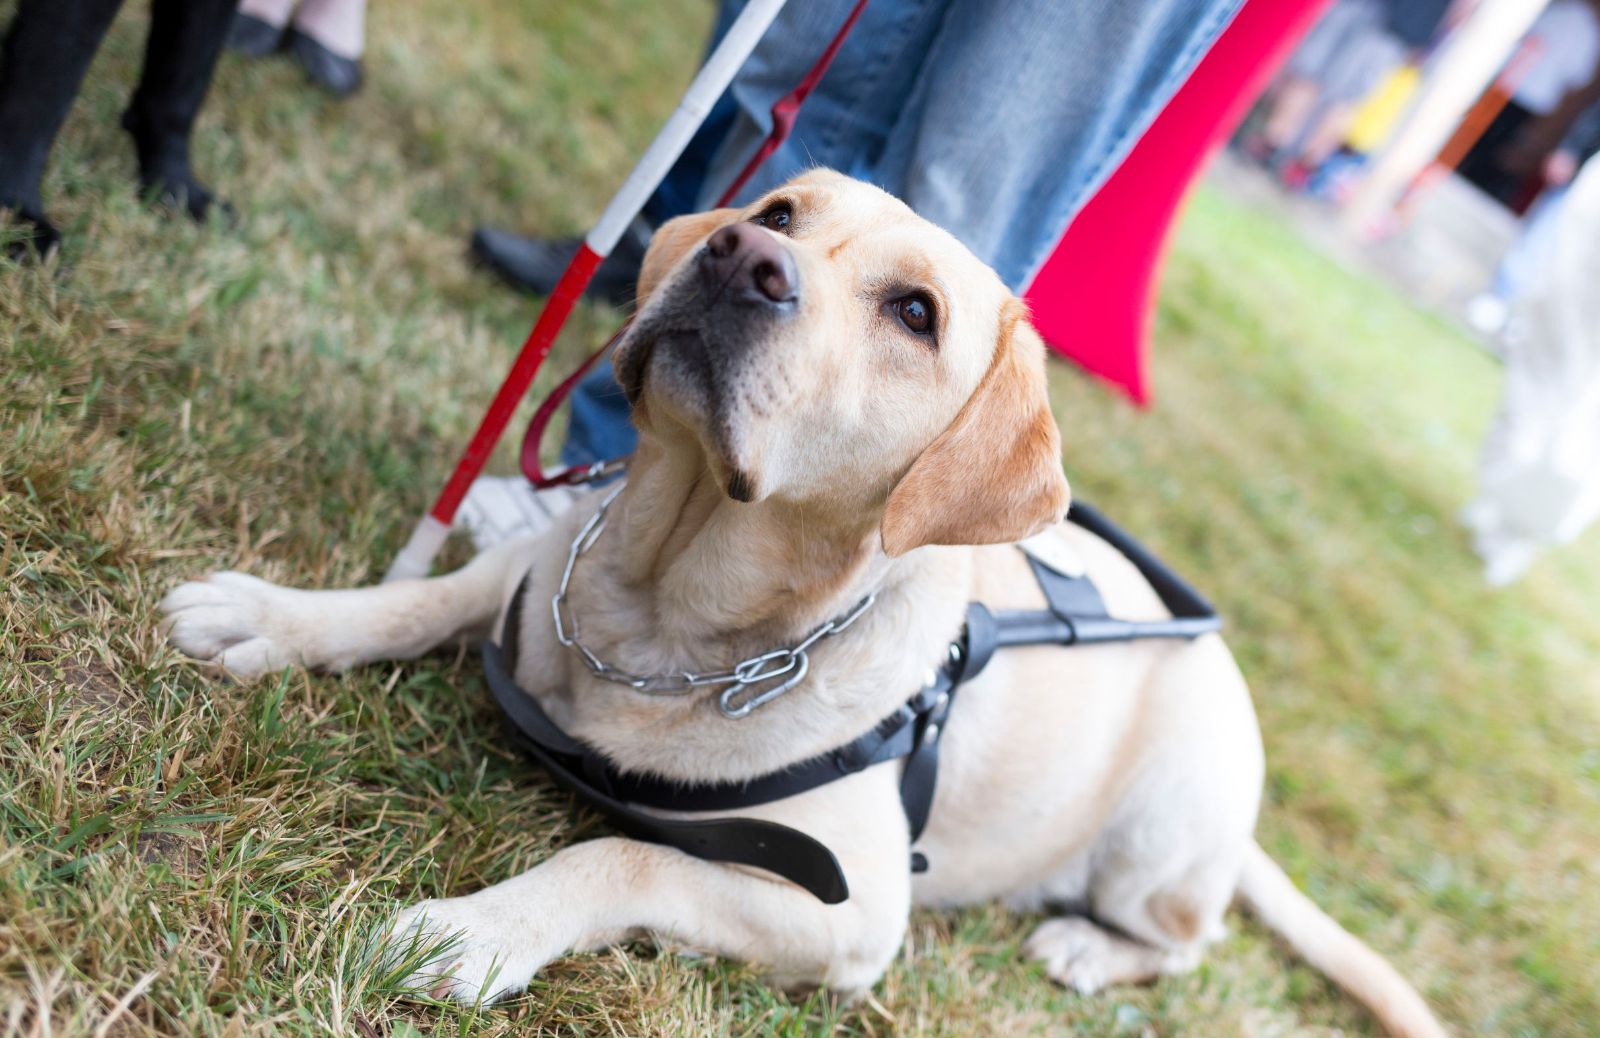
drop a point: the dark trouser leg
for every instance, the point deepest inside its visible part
(186, 37)
(46, 52)
(1482, 164)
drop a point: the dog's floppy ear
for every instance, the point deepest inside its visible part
(671, 241)
(994, 475)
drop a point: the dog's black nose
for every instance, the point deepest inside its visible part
(751, 263)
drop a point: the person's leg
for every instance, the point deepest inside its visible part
(534, 265)
(601, 427)
(257, 29)
(942, 103)
(273, 12)
(1369, 56)
(46, 52)
(1021, 111)
(846, 121)
(339, 25)
(327, 39)
(983, 121)
(1292, 105)
(1522, 267)
(186, 37)
(1294, 102)
(1483, 162)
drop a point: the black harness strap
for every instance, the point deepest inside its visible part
(744, 841)
(912, 731)
(1077, 615)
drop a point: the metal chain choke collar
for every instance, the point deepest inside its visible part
(786, 666)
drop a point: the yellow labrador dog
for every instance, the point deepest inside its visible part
(835, 398)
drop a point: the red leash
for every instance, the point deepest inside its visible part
(541, 418)
(784, 112)
(787, 107)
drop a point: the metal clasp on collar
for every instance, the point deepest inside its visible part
(794, 662)
(791, 664)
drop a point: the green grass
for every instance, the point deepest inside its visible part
(285, 396)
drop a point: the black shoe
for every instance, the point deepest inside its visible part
(340, 76)
(39, 237)
(254, 37)
(164, 174)
(180, 56)
(187, 195)
(536, 264)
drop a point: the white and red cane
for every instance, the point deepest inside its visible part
(416, 557)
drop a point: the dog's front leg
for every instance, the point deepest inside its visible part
(596, 894)
(250, 626)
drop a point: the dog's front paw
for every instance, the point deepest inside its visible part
(468, 950)
(239, 622)
(1074, 952)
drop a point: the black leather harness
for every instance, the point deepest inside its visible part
(1076, 616)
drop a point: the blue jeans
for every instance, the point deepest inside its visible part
(995, 119)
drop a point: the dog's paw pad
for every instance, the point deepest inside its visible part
(229, 619)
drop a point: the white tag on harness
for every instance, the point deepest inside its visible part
(1052, 549)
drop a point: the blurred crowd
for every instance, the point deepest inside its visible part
(1528, 144)
(1348, 85)
(1356, 50)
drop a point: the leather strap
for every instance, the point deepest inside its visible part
(1192, 614)
(912, 731)
(915, 730)
(1077, 614)
(983, 637)
(744, 841)
(897, 735)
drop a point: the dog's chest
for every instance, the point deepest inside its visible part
(853, 682)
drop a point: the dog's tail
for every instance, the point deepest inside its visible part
(1361, 972)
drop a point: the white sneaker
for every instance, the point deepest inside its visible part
(497, 508)
(1487, 314)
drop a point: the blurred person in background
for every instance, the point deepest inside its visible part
(46, 53)
(326, 38)
(1351, 50)
(997, 122)
(1539, 475)
(1528, 260)
(1566, 52)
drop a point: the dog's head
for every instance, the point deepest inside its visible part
(827, 345)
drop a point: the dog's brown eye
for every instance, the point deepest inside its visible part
(915, 312)
(776, 216)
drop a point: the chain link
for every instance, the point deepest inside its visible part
(787, 667)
